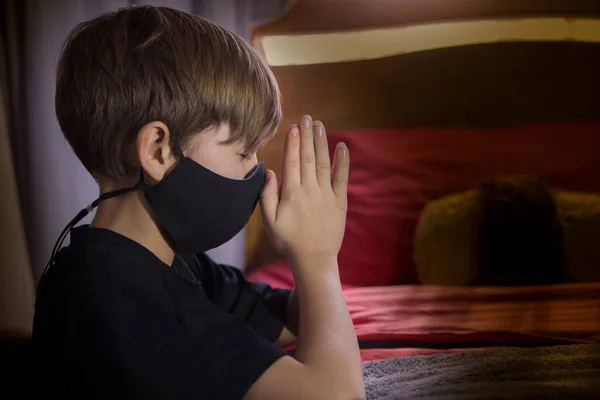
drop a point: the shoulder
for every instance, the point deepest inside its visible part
(93, 275)
(96, 265)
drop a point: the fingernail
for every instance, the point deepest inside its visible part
(318, 130)
(306, 121)
(294, 131)
(343, 150)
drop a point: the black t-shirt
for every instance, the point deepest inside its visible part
(112, 321)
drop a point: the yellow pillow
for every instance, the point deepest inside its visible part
(580, 217)
(446, 234)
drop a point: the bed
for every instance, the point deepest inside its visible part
(479, 342)
(455, 94)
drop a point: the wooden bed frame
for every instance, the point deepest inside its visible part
(480, 85)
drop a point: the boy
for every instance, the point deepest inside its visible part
(166, 111)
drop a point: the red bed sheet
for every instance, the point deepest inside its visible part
(396, 321)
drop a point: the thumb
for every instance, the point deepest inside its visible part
(269, 198)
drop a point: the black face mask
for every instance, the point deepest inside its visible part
(197, 208)
(200, 209)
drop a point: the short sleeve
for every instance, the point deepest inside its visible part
(222, 360)
(166, 341)
(263, 308)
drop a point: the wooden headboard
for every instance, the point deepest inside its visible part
(496, 83)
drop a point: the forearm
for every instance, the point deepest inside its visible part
(326, 338)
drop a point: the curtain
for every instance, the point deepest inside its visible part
(53, 184)
(16, 280)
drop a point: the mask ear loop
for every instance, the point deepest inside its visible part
(81, 215)
(177, 149)
(141, 185)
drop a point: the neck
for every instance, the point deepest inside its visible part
(130, 216)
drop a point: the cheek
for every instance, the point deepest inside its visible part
(237, 168)
(249, 167)
(224, 163)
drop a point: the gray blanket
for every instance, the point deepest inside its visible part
(565, 372)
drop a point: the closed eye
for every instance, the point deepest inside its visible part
(248, 157)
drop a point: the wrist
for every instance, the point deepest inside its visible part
(313, 266)
(299, 260)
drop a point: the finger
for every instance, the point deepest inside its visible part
(341, 171)
(269, 199)
(323, 163)
(291, 159)
(307, 151)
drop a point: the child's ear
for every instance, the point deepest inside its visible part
(153, 151)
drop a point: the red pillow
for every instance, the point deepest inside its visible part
(394, 173)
